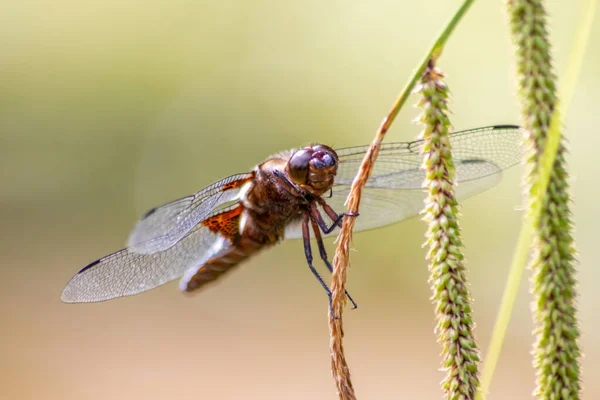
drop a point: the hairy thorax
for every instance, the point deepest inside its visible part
(269, 206)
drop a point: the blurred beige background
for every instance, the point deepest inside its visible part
(109, 107)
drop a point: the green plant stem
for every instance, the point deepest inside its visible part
(433, 54)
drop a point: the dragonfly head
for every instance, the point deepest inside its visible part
(313, 168)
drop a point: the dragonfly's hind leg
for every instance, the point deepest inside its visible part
(323, 254)
(309, 258)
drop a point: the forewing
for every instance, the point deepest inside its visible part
(162, 227)
(126, 272)
(393, 192)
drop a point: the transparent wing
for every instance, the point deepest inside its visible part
(126, 272)
(393, 192)
(162, 227)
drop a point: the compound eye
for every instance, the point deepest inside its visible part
(324, 156)
(298, 166)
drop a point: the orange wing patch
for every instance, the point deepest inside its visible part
(237, 184)
(227, 223)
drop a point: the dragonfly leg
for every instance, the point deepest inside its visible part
(309, 259)
(323, 254)
(285, 180)
(337, 219)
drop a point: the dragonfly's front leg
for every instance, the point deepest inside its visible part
(281, 176)
(337, 219)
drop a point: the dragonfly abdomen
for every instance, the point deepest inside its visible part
(222, 263)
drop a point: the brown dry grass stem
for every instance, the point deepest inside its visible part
(341, 260)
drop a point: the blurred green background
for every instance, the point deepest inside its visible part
(109, 107)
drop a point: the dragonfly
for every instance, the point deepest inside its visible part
(201, 237)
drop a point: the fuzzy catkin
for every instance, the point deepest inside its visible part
(460, 354)
(556, 349)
